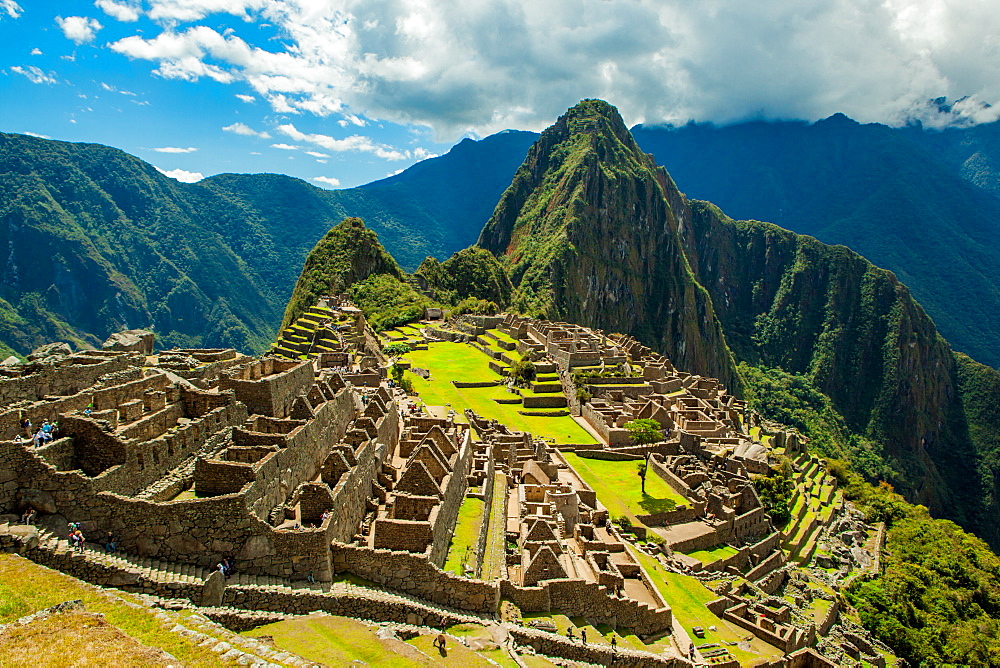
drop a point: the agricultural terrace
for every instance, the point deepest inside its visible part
(618, 487)
(448, 361)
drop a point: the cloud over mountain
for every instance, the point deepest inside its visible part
(481, 66)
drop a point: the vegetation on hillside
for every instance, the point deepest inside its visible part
(937, 601)
(920, 202)
(472, 273)
(349, 253)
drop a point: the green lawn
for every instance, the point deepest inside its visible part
(714, 554)
(618, 487)
(462, 551)
(687, 597)
(449, 361)
(333, 641)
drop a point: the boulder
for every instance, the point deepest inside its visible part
(41, 501)
(50, 351)
(132, 341)
(213, 591)
(185, 544)
(256, 547)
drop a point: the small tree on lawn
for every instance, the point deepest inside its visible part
(644, 430)
(395, 350)
(641, 470)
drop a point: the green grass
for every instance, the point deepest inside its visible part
(618, 487)
(687, 598)
(333, 641)
(26, 587)
(714, 554)
(449, 361)
(502, 336)
(494, 556)
(462, 551)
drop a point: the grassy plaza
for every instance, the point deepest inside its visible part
(619, 488)
(449, 361)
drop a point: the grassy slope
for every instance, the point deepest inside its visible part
(461, 551)
(26, 587)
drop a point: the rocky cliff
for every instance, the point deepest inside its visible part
(589, 231)
(592, 231)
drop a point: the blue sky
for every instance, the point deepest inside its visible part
(343, 92)
(84, 91)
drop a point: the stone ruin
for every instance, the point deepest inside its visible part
(302, 470)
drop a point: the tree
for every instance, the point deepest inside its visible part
(645, 430)
(395, 350)
(641, 471)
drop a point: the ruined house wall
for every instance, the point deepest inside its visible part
(305, 449)
(272, 394)
(61, 380)
(350, 496)
(75, 492)
(451, 501)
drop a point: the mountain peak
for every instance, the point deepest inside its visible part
(590, 220)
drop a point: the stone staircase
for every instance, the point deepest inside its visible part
(244, 591)
(129, 572)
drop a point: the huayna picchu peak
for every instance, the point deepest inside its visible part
(620, 429)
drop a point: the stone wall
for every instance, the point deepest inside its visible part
(269, 386)
(351, 494)
(415, 575)
(451, 501)
(63, 378)
(579, 598)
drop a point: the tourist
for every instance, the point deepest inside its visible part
(109, 543)
(29, 516)
(311, 579)
(322, 518)
(38, 438)
(26, 426)
(583, 636)
(18, 439)
(614, 642)
(88, 410)
(77, 539)
(691, 651)
(441, 643)
(569, 633)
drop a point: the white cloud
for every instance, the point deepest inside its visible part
(329, 180)
(10, 8)
(478, 66)
(80, 29)
(119, 10)
(286, 147)
(34, 74)
(36, 51)
(356, 143)
(246, 130)
(182, 175)
(193, 10)
(317, 154)
(174, 149)
(249, 99)
(35, 134)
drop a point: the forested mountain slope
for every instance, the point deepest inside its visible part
(919, 202)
